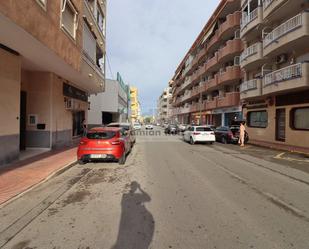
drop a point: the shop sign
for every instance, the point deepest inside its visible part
(75, 93)
(227, 110)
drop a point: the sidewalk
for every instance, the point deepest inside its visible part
(24, 174)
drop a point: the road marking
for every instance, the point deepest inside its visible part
(280, 156)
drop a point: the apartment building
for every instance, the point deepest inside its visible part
(275, 91)
(111, 105)
(206, 83)
(164, 106)
(135, 114)
(51, 58)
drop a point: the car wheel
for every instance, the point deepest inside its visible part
(223, 140)
(191, 141)
(211, 143)
(81, 162)
(122, 159)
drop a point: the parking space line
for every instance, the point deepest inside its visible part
(280, 156)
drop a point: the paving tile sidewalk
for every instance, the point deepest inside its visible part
(22, 175)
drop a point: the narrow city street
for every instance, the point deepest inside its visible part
(169, 194)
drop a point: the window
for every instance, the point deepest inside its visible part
(42, 3)
(203, 129)
(300, 118)
(101, 134)
(69, 18)
(258, 119)
(101, 20)
(100, 60)
(91, 4)
(89, 43)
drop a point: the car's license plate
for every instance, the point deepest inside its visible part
(98, 156)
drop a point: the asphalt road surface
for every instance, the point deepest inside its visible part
(169, 194)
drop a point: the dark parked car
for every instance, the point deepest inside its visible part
(225, 134)
(171, 129)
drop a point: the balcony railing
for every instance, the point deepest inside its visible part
(266, 3)
(283, 29)
(249, 51)
(287, 73)
(246, 19)
(248, 85)
(229, 99)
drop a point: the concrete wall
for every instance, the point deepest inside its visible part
(45, 99)
(45, 26)
(103, 102)
(38, 85)
(61, 118)
(9, 105)
(293, 137)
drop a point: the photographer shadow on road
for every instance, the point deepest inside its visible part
(136, 227)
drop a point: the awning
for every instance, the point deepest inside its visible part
(209, 33)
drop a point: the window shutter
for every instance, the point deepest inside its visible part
(89, 44)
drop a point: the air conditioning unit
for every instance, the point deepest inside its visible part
(281, 59)
(69, 104)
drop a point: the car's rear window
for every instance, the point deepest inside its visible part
(126, 127)
(101, 135)
(203, 129)
(234, 128)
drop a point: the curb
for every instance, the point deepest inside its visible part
(52, 175)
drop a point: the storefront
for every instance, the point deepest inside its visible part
(281, 120)
(225, 116)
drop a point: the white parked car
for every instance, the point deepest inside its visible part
(137, 126)
(149, 127)
(182, 127)
(201, 134)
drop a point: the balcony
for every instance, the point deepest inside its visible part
(92, 73)
(213, 41)
(210, 64)
(195, 92)
(212, 83)
(250, 21)
(186, 96)
(184, 110)
(231, 49)
(199, 55)
(194, 107)
(231, 74)
(252, 56)
(230, 99)
(251, 89)
(289, 78)
(277, 9)
(211, 104)
(294, 32)
(231, 24)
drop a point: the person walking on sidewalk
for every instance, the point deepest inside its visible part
(242, 133)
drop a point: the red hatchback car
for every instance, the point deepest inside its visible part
(104, 143)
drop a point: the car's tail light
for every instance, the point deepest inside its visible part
(116, 142)
(196, 133)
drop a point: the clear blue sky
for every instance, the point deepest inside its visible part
(147, 39)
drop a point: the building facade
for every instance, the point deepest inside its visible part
(164, 106)
(109, 106)
(49, 64)
(135, 111)
(206, 83)
(275, 91)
